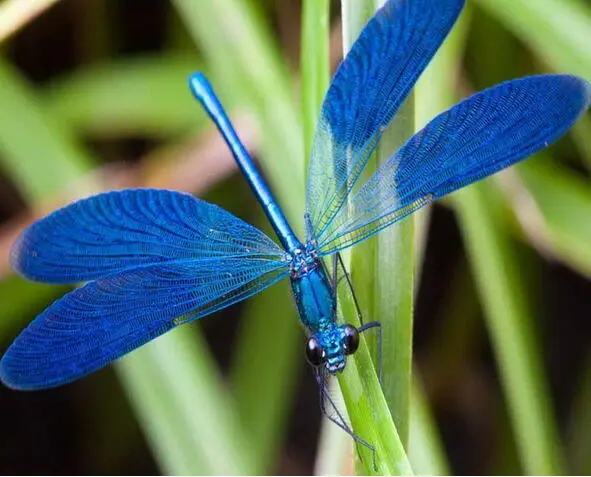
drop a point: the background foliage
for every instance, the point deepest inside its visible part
(93, 97)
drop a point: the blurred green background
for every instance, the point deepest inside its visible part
(93, 97)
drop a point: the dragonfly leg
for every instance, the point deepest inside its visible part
(378, 326)
(338, 260)
(340, 420)
(372, 324)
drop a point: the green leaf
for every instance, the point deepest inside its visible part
(425, 449)
(559, 31)
(563, 199)
(500, 285)
(371, 262)
(183, 407)
(144, 95)
(43, 157)
(247, 68)
(314, 65)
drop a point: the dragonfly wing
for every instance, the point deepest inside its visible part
(369, 87)
(101, 321)
(483, 134)
(115, 231)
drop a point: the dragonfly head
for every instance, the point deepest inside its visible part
(330, 347)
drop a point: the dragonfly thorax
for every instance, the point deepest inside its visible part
(329, 343)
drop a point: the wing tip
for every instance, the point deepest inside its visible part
(12, 379)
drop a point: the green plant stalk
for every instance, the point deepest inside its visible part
(108, 99)
(557, 30)
(175, 378)
(493, 261)
(43, 168)
(265, 372)
(368, 410)
(383, 267)
(425, 449)
(394, 289)
(248, 69)
(334, 444)
(40, 167)
(314, 63)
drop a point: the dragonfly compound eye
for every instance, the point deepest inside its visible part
(351, 339)
(314, 352)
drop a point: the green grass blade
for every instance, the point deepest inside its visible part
(42, 167)
(144, 95)
(425, 449)
(563, 199)
(247, 68)
(43, 157)
(314, 65)
(559, 31)
(174, 388)
(242, 56)
(394, 288)
(369, 411)
(499, 283)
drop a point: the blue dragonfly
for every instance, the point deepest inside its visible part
(156, 259)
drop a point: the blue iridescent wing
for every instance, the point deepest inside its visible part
(483, 134)
(115, 231)
(101, 321)
(369, 87)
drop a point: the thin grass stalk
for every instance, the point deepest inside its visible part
(333, 444)
(425, 449)
(43, 168)
(499, 283)
(314, 63)
(368, 409)
(248, 69)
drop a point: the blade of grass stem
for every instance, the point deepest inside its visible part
(173, 385)
(314, 65)
(41, 167)
(559, 31)
(140, 95)
(334, 445)
(370, 413)
(43, 157)
(425, 450)
(510, 327)
(247, 67)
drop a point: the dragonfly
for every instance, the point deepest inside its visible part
(155, 259)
